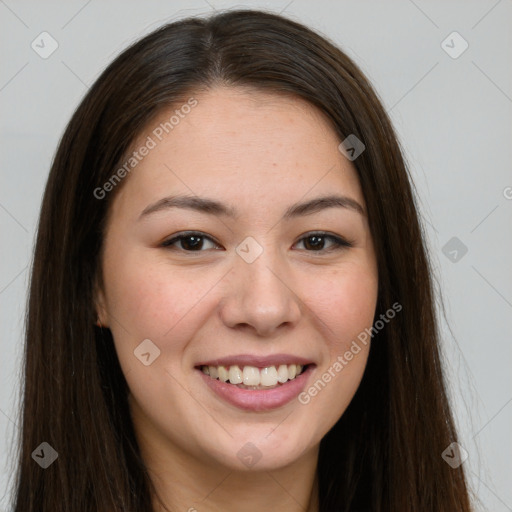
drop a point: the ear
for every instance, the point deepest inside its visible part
(100, 305)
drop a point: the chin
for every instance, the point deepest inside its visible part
(262, 448)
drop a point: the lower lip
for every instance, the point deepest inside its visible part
(259, 399)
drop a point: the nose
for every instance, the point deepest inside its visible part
(260, 297)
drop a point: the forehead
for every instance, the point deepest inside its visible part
(241, 144)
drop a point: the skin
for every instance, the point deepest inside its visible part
(259, 153)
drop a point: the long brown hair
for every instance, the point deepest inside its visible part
(384, 454)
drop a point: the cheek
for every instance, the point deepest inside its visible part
(150, 299)
(345, 307)
(147, 300)
(345, 300)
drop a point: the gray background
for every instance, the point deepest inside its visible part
(453, 116)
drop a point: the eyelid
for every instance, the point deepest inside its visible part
(184, 234)
(339, 242)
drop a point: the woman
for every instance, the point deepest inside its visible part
(231, 304)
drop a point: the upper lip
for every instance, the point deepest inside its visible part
(258, 361)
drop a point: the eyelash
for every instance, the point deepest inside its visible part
(339, 243)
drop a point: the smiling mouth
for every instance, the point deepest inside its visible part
(254, 378)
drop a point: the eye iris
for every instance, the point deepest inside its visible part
(318, 242)
(197, 242)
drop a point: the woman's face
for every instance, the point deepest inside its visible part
(260, 286)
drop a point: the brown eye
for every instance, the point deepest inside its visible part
(195, 242)
(190, 242)
(315, 242)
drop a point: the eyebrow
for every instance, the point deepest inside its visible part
(213, 207)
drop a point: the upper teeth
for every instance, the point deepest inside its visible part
(253, 376)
